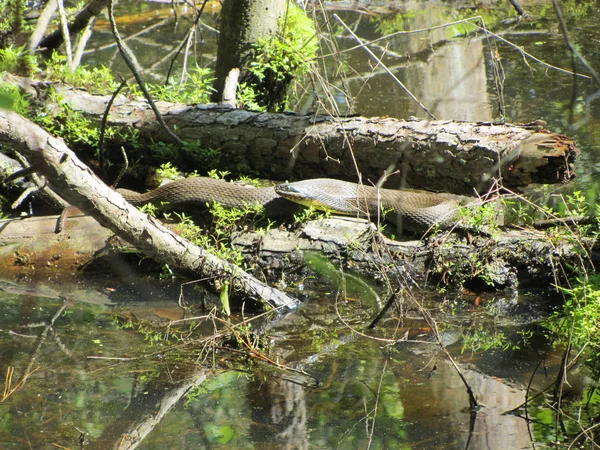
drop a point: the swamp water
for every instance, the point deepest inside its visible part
(93, 381)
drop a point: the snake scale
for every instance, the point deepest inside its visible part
(418, 210)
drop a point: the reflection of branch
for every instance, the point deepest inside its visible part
(390, 73)
(574, 52)
(40, 341)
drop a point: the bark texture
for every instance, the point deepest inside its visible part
(73, 181)
(509, 259)
(243, 22)
(436, 155)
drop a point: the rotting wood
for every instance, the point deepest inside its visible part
(437, 155)
(508, 260)
(73, 181)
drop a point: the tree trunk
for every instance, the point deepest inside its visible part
(436, 155)
(243, 23)
(73, 181)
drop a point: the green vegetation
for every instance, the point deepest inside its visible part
(17, 60)
(12, 99)
(578, 323)
(71, 125)
(277, 61)
(97, 80)
(196, 88)
(218, 240)
(480, 219)
(484, 339)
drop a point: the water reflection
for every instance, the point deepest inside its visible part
(369, 392)
(92, 380)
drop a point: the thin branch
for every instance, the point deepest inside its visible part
(42, 25)
(128, 60)
(187, 40)
(64, 26)
(572, 49)
(105, 119)
(390, 73)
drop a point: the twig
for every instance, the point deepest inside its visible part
(127, 58)
(370, 441)
(185, 41)
(517, 7)
(64, 25)
(105, 119)
(384, 310)
(481, 27)
(571, 47)
(390, 73)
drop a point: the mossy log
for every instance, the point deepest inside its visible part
(508, 259)
(448, 156)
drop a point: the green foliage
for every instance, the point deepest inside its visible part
(17, 60)
(167, 171)
(218, 174)
(309, 213)
(225, 222)
(249, 98)
(279, 60)
(193, 153)
(579, 319)
(97, 80)
(486, 339)
(12, 18)
(12, 99)
(480, 218)
(71, 125)
(195, 90)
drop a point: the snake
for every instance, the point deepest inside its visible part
(415, 210)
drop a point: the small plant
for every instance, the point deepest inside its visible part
(579, 319)
(225, 222)
(97, 80)
(480, 218)
(485, 339)
(218, 174)
(17, 60)
(167, 273)
(12, 99)
(197, 88)
(309, 213)
(167, 171)
(72, 126)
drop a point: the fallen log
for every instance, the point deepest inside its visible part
(436, 155)
(508, 259)
(74, 182)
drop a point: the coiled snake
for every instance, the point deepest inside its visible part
(418, 210)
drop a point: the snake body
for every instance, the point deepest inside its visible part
(417, 210)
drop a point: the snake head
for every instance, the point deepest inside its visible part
(324, 194)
